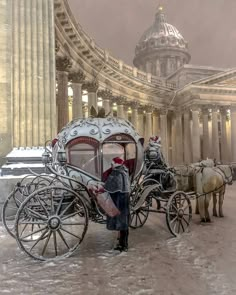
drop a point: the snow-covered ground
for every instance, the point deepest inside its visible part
(200, 262)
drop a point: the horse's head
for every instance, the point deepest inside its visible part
(228, 172)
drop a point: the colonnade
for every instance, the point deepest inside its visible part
(202, 131)
(187, 134)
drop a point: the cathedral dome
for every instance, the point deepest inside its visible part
(162, 34)
(161, 45)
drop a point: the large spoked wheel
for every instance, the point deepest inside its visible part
(17, 196)
(10, 208)
(139, 217)
(178, 213)
(51, 223)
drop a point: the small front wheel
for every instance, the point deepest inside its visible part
(178, 213)
(139, 217)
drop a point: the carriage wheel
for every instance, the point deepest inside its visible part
(10, 208)
(51, 223)
(178, 213)
(139, 217)
(16, 197)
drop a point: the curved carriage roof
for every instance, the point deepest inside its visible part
(97, 128)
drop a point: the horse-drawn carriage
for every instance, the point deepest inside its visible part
(51, 211)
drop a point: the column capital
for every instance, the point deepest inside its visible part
(148, 108)
(63, 64)
(77, 77)
(120, 100)
(195, 108)
(156, 112)
(91, 86)
(179, 111)
(214, 108)
(163, 111)
(134, 104)
(223, 110)
(232, 108)
(105, 94)
(205, 109)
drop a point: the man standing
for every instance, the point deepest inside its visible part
(118, 185)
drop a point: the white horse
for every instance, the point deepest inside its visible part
(210, 181)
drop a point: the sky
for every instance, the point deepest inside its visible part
(209, 26)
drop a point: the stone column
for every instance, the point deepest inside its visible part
(134, 115)
(63, 67)
(8, 127)
(158, 68)
(206, 146)
(126, 112)
(173, 138)
(224, 143)
(215, 134)
(179, 138)
(156, 122)
(164, 141)
(92, 88)
(106, 96)
(28, 36)
(140, 122)
(148, 124)
(187, 138)
(77, 80)
(120, 101)
(196, 148)
(149, 67)
(233, 132)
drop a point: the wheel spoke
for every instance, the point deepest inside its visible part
(46, 243)
(186, 221)
(143, 213)
(63, 239)
(32, 222)
(33, 233)
(173, 220)
(23, 229)
(64, 211)
(73, 223)
(178, 227)
(60, 204)
(38, 215)
(70, 233)
(44, 208)
(39, 239)
(69, 215)
(182, 226)
(136, 220)
(52, 203)
(139, 218)
(55, 242)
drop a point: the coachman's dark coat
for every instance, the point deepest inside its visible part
(118, 186)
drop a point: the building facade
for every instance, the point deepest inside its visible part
(58, 73)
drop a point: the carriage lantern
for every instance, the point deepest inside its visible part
(45, 157)
(61, 156)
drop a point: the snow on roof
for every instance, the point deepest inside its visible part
(27, 152)
(23, 165)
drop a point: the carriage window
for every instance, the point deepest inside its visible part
(110, 151)
(130, 151)
(85, 156)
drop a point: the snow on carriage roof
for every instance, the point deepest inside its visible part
(97, 128)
